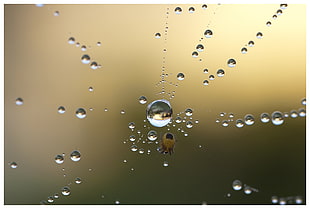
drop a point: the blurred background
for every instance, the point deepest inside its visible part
(44, 68)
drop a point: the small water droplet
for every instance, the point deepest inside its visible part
(61, 110)
(274, 199)
(298, 200)
(279, 12)
(90, 89)
(294, 114)
(224, 123)
(274, 17)
(303, 101)
(178, 119)
(142, 100)
(59, 159)
(205, 82)
(189, 124)
(13, 165)
(80, 113)
(231, 63)
(249, 119)
(117, 202)
(152, 135)
(205, 70)
(78, 180)
(237, 185)
(247, 190)
(19, 101)
(131, 125)
(282, 201)
(83, 48)
(204, 6)
(165, 164)
(157, 35)
(251, 43)
(195, 54)
(85, 59)
(132, 138)
(302, 112)
(134, 148)
(268, 23)
(239, 123)
(244, 50)
(220, 72)
(259, 35)
(222, 114)
(191, 10)
(75, 156)
(56, 13)
(94, 65)
(180, 76)
(188, 112)
(264, 117)
(277, 118)
(141, 151)
(200, 47)
(178, 10)
(71, 40)
(65, 191)
(208, 33)
(211, 77)
(122, 112)
(56, 196)
(283, 6)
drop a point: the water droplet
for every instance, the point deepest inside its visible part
(178, 119)
(228, 195)
(303, 101)
(80, 113)
(85, 59)
(274, 199)
(132, 138)
(200, 47)
(59, 159)
(61, 110)
(78, 180)
(302, 112)
(224, 123)
(264, 117)
(222, 114)
(83, 48)
(211, 77)
(19, 101)
(178, 10)
(231, 63)
(117, 202)
(94, 65)
(298, 200)
(56, 13)
(274, 17)
(191, 10)
(279, 12)
(283, 6)
(56, 196)
(134, 148)
(249, 119)
(220, 73)
(282, 201)
(247, 190)
(122, 112)
(141, 151)
(159, 113)
(205, 71)
(66, 191)
(195, 54)
(251, 43)
(75, 156)
(196, 121)
(157, 35)
(268, 23)
(124, 161)
(237, 185)
(152, 135)
(286, 114)
(131, 125)
(204, 6)
(189, 124)
(259, 35)
(180, 76)
(277, 118)
(205, 82)
(244, 50)
(142, 100)
(71, 40)
(239, 123)
(208, 33)
(165, 164)
(13, 165)
(294, 114)
(188, 112)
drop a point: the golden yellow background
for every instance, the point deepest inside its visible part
(43, 69)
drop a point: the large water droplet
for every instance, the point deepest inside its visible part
(277, 118)
(249, 119)
(142, 100)
(159, 113)
(237, 185)
(239, 123)
(152, 135)
(259, 35)
(59, 159)
(19, 101)
(231, 63)
(200, 47)
(264, 117)
(220, 72)
(208, 33)
(157, 35)
(85, 59)
(178, 10)
(75, 156)
(61, 110)
(71, 40)
(80, 113)
(180, 76)
(65, 191)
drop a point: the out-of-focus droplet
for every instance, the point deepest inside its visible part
(180, 76)
(249, 119)
(152, 135)
(231, 63)
(282, 201)
(117, 202)
(13, 165)
(98, 43)
(165, 164)
(178, 10)
(85, 59)
(123, 112)
(59, 159)
(84, 48)
(142, 100)
(56, 13)
(220, 72)
(157, 35)
(298, 200)
(75, 156)
(65, 191)
(200, 47)
(259, 35)
(247, 190)
(237, 185)
(71, 40)
(208, 33)
(80, 113)
(274, 199)
(39, 5)
(264, 117)
(277, 118)
(19, 101)
(244, 50)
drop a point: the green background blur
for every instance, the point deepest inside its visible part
(43, 69)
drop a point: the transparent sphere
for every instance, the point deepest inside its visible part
(75, 155)
(277, 118)
(65, 191)
(152, 135)
(180, 76)
(239, 123)
(178, 10)
(157, 35)
(61, 110)
(249, 119)
(208, 33)
(237, 185)
(59, 159)
(85, 59)
(142, 100)
(231, 63)
(80, 113)
(19, 101)
(264, 117)
(159, 113)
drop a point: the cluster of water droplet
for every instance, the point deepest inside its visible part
(292, 200)
(237, 186)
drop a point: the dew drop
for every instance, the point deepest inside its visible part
(19, 101)
(237, 185)
(152, 135)
(180, 76)
(141, 151)
(302, 112)
(189, 124)
(274, 199)
(132, 138)
(117, 202)
(78, 180)
(204, 6)
(244, 50)
(178, 10)
(75, 156)
(251, 43)
(178, 119)
(83, 48)
(142, 100)
(39, 5)
(231, 63)
(122, 112)
(247, 190)
(264, 117)
(59, 159)
(268, 23)
(195, 54)
(80, 113)
(211, 77)
(85, 59)
(50, 199)
(191, 10)
(208, 33)
(239, 123)
(134, 148)
(222, 114)
(298, 200)
(56, 13)
(294, 114)
(282, 201)
(94, 65)
(13, 165)
(56, 196)
(249, 119)
(259, 35)
(66, 191)
(165, 164)
(159, 113)
(61, 110)
(283, 6)
(157, 35)
(279, 12)
(71, 40)
(224, 123)
(205, 82)
(274, 17)
(98, 43)
(220, 72)
(131, 125)
(200, 47)
(188, 112)
(205, 71)
(277, 118)
(303, 101)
